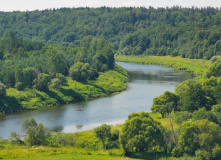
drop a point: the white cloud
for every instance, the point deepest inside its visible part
(10, 5)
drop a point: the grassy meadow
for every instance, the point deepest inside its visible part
(196, 66)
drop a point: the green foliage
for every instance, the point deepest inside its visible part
(19, 86)
(61, 78)
(55, 83)
(69, 91)
(216, 108)
(187, 32)
(214, 69)
(103, 132)
(56, 63)
(214, 59)
(140, 133)
(79, 71)
(194, 98)
(203, 114)
(42, 82)
(182, 116)
(93, 73)
(165, 103)
(201, 138)
(36, 133)
(2, 90)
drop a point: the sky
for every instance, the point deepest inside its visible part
(29, 5)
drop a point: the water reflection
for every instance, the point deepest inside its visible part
(146, 82)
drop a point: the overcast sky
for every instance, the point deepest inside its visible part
(23, 5)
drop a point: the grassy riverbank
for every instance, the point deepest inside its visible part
(196, 66)
(81, 145)
(107, 83)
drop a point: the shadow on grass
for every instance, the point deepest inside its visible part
(149, 156)
(10, 104)
(69, 92)
(96, 86)
(55, 96)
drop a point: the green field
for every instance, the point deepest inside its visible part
(196, 66)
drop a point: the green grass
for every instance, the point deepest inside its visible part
(196, 66)
(107, 83)
(81, 145)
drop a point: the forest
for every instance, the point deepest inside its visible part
(34, 74)
(47, 56)
(176, 31)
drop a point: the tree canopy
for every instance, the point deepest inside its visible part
(140, 133)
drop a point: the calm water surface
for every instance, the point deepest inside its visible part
(146, 82)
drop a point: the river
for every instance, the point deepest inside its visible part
(146, 82)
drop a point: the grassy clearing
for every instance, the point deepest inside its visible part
(109, 82)
(196, 66)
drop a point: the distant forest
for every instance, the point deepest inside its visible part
(187, 32)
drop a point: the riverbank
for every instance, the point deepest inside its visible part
(30, 99)
(195, 66)
(81, 145)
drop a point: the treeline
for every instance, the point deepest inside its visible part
(196, 108)
(187, 32)
(35, 65)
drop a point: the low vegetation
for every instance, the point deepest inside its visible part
(196, 66)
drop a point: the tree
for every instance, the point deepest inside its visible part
(200, 138)
(103, 132)
(140, 133)
(61, 78)
(79, 71)
(41, 83)
(93, 74)
(194, 98)
(214, 69)
(15, 138)
(19, 74)
(36, 133)
(165, 103)
(2, 90)
(56, 63)
(203, 114)
(55, 83)
(214, 59)
(29, 76)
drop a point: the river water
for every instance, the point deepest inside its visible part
(146, 82)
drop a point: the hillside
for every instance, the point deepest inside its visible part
(187, 32)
